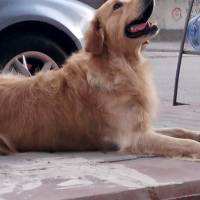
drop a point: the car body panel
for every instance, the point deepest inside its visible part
(70, 16)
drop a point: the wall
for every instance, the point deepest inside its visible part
(171, 14)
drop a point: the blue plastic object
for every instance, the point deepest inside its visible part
(193, 33)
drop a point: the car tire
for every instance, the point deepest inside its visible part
(13, 44)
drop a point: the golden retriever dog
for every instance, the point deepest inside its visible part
(102, 99)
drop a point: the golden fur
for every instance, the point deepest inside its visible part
(102, 98)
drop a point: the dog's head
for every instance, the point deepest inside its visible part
(121, 26)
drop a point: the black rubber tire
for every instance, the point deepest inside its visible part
(16, 43)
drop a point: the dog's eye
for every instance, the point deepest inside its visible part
(117, 5)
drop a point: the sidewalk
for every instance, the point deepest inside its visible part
(112, 176)
(163, 58)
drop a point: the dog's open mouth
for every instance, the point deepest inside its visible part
(141, 26)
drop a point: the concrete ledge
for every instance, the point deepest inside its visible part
(96, 176)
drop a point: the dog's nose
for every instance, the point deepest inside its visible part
(146, 3)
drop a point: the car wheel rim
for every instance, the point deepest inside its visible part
(29, 63)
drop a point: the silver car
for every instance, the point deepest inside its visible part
(38, 35)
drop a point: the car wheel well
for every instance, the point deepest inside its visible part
(44, 29)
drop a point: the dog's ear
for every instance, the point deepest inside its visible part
(94, 37)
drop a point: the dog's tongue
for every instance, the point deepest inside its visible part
(138, 27)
